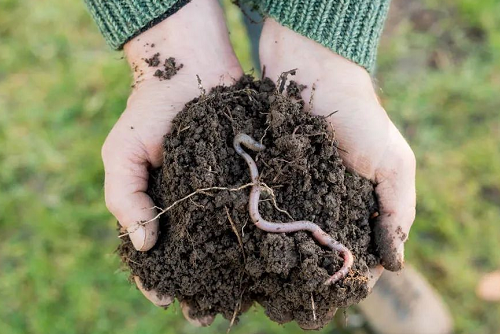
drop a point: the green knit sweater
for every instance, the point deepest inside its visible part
(350, 28)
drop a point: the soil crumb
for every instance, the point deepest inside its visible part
(210, 255)
(170, 67)
(154, 61)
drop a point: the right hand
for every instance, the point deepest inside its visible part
(370, 143)
(197, 37)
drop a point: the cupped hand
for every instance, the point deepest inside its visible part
(196, 36)
(370, 143)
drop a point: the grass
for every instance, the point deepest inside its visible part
(61, 90)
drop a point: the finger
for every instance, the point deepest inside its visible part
(318, 323)
(125, 185)
(198, 322)
(374, 275)
(152, 295)
(395, 178)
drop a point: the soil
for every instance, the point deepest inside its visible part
(170, 67)
(154, 61)
(210, 255)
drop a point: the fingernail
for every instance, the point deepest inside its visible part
(165, 301)
(137, 235)
(205, 321)
(198, 322)
(152, 295)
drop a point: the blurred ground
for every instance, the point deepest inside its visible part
(61, 89)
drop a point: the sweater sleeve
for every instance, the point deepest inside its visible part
(351, 28)
(121, 20)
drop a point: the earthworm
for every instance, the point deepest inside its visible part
(302, 225)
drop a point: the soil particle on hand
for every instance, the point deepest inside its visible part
(221, 266)
(390, 258)
(170, 69)
(154, 61)
(402, 235)
(294, 90)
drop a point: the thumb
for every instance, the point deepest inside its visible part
(395, 178)
(125, 186)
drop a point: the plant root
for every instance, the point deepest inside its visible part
(197, 191)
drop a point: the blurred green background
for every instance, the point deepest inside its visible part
(61, 90)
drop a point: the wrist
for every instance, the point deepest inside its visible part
(196, 36)
(349, 28)
(315, 64)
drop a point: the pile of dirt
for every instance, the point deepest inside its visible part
(210, 255)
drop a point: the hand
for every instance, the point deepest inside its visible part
(371, 145)
(196, 36)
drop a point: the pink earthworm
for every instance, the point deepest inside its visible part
(303, 225)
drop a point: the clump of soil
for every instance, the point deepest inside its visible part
(154, 61)
(210, 255)
(170, 67)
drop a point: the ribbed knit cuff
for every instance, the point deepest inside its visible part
(121, 20)
(351, 28)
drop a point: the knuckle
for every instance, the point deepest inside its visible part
(409, 157)
(404, 156)
(106, 149)
(409, 217)
(400, 152)
(112, 203)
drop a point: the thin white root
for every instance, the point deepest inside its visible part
(197, 191)
(313, 307)
(270, 191)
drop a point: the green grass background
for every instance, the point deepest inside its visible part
(61, 90)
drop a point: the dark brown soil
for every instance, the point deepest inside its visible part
(198, 257)
(154, 61)
(170, 67)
